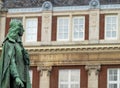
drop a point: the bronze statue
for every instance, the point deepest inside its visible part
(14, 62)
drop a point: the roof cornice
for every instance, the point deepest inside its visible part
(63, 8)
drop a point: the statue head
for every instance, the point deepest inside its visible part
(16, 29)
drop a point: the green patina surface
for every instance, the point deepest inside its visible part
(14, 62)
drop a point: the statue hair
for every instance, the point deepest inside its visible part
(15, 27)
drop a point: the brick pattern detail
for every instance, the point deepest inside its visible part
(36, 77)
(86, 27)
(54, 28)
(54, 76)
(39, 28)
(102, 26)
(7, 25)
(102, 81)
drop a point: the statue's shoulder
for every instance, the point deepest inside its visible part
(9, 42)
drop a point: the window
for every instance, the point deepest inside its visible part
(20, 19)
(113, 78)
(78, 28)
(69, 78)
(111, 27)
(31, 76)
(63, 29)
(31, 30)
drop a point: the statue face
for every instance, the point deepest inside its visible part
(21, 31)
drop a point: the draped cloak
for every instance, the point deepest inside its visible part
(12, 49)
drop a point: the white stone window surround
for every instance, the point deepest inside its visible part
(63, 24)
(69, 78)
(113, 78)
(80, 24)
(31, 29)
(111, 29)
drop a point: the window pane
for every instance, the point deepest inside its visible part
(62, 32)
(81, 35)
(110, 26)
(75, 21)
(63, 75)
(75, 86)
(108, 20)
(69, 78)
(75, 75)
(31, 29)
(76, 35)
(31, 76)
(113, 19)
(108, 34)
(113, 26)
(63, 86)
(114, 34)
(112, 85)
(78, 27)
(65, 35)
(113, 74)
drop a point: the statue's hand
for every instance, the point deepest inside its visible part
(19, 82)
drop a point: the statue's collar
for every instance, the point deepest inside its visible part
(10, 39)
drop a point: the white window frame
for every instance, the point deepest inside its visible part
(31, 76)
(113, 82)
(69, 77)
(78, 39)
(58, 28)
(35, 40)
(111, 38)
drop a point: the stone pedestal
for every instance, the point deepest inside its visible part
(93, 71)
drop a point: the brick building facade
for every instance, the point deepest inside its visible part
(72, 43)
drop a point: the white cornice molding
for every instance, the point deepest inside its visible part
(73, 49)
(63, 8)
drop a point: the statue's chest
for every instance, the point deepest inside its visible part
(19, 49)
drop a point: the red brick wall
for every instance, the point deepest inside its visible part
(102, 26)
(54, 28)
(39, 28)
(54, 76)
(103, 75)
(86, 27)
(36, 77)
(7, 25)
